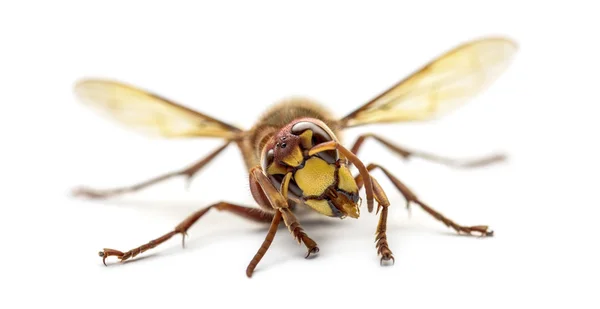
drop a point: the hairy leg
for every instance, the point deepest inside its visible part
(382, 246)
(265, 245)
(267, 196)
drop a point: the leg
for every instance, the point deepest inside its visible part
(411, 197)
(427, 156)
(188, 172)
(255, 214)
(382, 246)
(266, 244)
(267, 196)
(298, 233)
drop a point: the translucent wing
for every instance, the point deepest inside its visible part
(149, 113)
(439, 87)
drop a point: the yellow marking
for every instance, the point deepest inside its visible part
(295, 157)
(346, 180)
(276, 169)
(306, 139)
(315, 177)
(321, 206)
(285, 184)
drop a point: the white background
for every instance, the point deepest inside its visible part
(233, 60)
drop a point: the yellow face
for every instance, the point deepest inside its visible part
(323, 181)
(324, 184)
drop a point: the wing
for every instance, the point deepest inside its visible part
(441, 86)
(148, 113)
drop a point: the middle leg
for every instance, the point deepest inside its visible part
(483, 230)
(188, 172)
(405, 153)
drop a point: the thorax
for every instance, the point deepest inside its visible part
(277, 117)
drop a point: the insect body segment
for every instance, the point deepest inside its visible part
(292, 154)
(321, 181)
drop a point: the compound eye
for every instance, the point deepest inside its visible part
(319, 135)
(267, 159)
(276, 175)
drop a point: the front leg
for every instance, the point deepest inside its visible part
(268, 197)
(297, 231)
(373, 191)
(382, 246)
